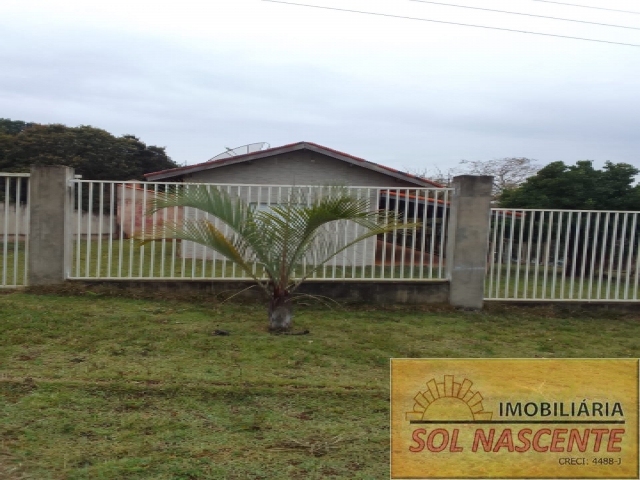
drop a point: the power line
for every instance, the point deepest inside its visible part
(525, 14)
(587, 6)
(453, 23)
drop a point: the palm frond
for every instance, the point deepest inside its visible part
(298, 231)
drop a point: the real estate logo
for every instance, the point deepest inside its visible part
(573, 418)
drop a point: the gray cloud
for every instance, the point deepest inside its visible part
(196, 99)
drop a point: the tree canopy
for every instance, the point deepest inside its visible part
(93, 153)
(577, 187)
(508, 172)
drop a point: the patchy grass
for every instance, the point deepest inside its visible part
(102, 387)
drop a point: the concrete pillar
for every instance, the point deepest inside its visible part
(468, 240)
(50, 199)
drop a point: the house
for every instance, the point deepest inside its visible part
(265, 177)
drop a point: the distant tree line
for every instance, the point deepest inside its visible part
(93, 153)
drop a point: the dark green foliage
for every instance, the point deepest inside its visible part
(578, 187)
(13, 127)
(93, 153)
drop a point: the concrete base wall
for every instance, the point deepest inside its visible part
(410, 293)
(569, 306)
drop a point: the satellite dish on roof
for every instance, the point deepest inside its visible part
(243, 150)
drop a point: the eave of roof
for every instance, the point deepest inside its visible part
(176, 172)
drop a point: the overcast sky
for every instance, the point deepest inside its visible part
(196, 77)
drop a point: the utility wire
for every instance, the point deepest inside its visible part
(525, 14)
(586, 6)
(453, 23)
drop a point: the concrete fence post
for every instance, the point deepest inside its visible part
(468, 240)
(50, 199)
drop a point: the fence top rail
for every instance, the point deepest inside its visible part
(7, 174)
(141, 184)
(511, 211)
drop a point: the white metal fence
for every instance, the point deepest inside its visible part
(563, 255)
(109, 251)
(14, 233)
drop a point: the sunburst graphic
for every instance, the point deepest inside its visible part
(449, 400)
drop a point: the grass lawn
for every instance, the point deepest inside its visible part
(100, 387)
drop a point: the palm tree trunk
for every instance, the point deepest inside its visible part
(280, 312)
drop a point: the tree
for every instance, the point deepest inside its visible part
(578, 187)
(292, 236)
(13, 127)
(575, 187)
(508, 172)
(94, 153)
(435, 174)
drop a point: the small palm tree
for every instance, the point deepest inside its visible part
(285, 244)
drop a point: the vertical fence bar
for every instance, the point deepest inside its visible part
(492, 252)
(423, 230)
(630, 254)
(163, 243)
(509, 255)
(516, 288)
(603, 253)
(623, 235)
(565, 256)
(546, 255)
(503, 225)
(357, 193)
(88, 222)
(555, 255)
(143, 228)
(5, 235)
(154, 222)
(538, 252)
(443, 230)
(183, 250)
(121, 229)
(594, 253)
(174, 242)
(414, 233)
(194, 247)
(403, 249)
(27, 233)
(611, 256)
(79, 226)
(100, 220)
(394, 235)
(585, 249)
(133, 211)
(16, 231)
(637, 271)
(432, 243)
(532, 215)
(112, 200)
(383, 254)
(575, 252)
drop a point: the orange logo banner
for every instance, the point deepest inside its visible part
(515, 418)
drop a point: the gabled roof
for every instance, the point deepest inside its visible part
(345, 157)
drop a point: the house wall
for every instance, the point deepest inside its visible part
(298, 168)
